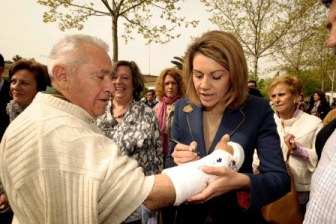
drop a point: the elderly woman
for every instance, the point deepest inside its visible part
(27, 77)
(132, 124)
(297, 131)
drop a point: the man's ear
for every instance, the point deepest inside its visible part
(60, 76)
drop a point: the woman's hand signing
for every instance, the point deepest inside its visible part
(185, 153)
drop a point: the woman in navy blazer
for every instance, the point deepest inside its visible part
(218, 103)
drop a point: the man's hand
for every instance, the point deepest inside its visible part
(223, 144)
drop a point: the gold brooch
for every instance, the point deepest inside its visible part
(188, 108)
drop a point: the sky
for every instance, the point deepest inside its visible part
(25, 34)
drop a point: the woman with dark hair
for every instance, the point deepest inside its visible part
(320, 107)
(133, 125)
(27, 78)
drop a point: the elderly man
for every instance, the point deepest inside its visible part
(57, 167)
(321, 207)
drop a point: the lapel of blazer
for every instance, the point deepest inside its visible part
(195, 127)
(230, 123)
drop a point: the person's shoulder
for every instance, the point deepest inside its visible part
(148, 109)
(139, 108)
(136, 107)
(6, 81)
(256, 105)
(255, 100)
(332, 113)
(312, 119)
(325, 105)
(156, 106)
(5, 87)
(182, 102)
(255, 92)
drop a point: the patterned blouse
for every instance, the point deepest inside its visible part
(138, 135)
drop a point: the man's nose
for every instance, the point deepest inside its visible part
(108, 84)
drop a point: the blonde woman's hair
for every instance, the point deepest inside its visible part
(294, 84)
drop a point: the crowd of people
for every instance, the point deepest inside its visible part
(78, 145)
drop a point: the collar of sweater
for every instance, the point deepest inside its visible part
(63, 105)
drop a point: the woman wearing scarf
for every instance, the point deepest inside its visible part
(169, 88)
(27, 77)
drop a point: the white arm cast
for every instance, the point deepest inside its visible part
(188, 179)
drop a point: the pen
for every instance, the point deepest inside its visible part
(177, 142)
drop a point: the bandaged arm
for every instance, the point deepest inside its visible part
(189, 179)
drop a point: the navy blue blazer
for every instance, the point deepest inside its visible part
(253, 127)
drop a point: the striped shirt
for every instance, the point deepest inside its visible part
(321, 207)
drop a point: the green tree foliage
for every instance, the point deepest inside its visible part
(178, 62)
(259, 25)
(302, 51)
(136, 16)
(312, 57)
(16, 58)
(309, 79)
(264, 88)
(307, 49)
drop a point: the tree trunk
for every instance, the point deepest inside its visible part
(255, 68)
(115, 39)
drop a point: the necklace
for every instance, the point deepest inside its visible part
(119, 116)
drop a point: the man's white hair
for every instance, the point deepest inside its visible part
(70, 51)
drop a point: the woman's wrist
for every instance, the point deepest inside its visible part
(244, 181)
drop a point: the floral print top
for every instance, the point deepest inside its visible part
(138, 135)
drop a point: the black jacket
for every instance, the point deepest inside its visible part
(4, 99)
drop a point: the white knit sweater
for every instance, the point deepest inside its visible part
(57, 167)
